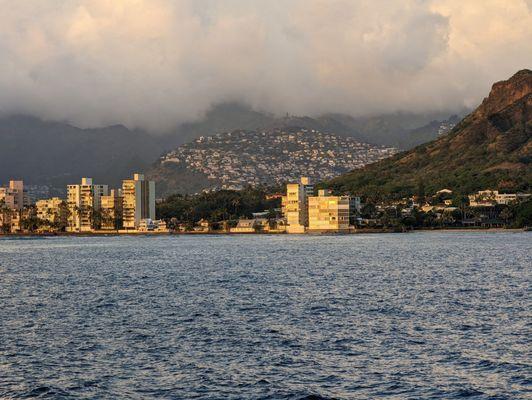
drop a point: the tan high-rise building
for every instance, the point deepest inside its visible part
(138, 201)
(111, 210)
(82, 201)
(328, 213)
(14, 196)
(294, 205)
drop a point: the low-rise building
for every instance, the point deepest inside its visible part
(149, 225)
(488, 198)
(251, 225)
(203, 226)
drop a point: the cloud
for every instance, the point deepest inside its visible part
(153, 64)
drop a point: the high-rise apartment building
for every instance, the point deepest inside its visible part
(50, 210)
(83, 200)
(111, 210)
(295, 206)
(328, 213)
(14, 196)
(138, 201)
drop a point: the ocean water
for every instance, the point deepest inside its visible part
(386, 316)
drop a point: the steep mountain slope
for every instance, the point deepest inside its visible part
(54, 154)
(490, 148)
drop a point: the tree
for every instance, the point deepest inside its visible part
(29, 222)
(506, 214)
(5, 217)
(523, 214)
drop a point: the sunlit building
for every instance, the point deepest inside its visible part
(138, 201)
(14, 196)
(295, 206)
(328, 213)
(149, 225)
(50, 210)
(111, 210)
(488, 198)
(83, 201)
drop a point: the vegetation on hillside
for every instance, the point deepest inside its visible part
(490, 148)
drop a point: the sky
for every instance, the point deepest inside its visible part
(153, 64)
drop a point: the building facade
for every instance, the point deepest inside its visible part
(50, 210)
(111, 210)
(487, 198)
(328, 213)
(83, 201)
(14, 196)
(138, 201)
(295, 205)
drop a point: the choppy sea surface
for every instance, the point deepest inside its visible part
(404, 316)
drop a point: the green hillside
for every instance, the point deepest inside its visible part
(490, 148)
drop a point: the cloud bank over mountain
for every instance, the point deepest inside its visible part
(153, 64)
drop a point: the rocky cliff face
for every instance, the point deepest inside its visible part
(490, 148)
(505, 93)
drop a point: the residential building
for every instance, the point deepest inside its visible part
(14, 196)
(295, 206)
(488, 198)
(138, 201)
(149, 225)
(50, 210)
(83, 200)
(203, 225)
(111, 210)
(328, 213)
(250, 225)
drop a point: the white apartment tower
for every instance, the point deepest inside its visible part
(82, 201)
(138, 201)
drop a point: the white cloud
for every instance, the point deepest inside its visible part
(155, 63)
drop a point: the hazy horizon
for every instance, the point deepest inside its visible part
(156, 64)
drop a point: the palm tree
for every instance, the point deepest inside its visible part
(235, 203)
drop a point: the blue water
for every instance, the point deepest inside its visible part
(422, 315)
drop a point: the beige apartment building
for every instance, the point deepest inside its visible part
(295, 205)
(328, 213)
(138, 201)
(82, 201)
(14, 196)
(50, 209)
(487, 198)
(111, 210)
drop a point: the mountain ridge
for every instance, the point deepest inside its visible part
(57, 153)
(490, 148)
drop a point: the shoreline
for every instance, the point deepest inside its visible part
(354, 232)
